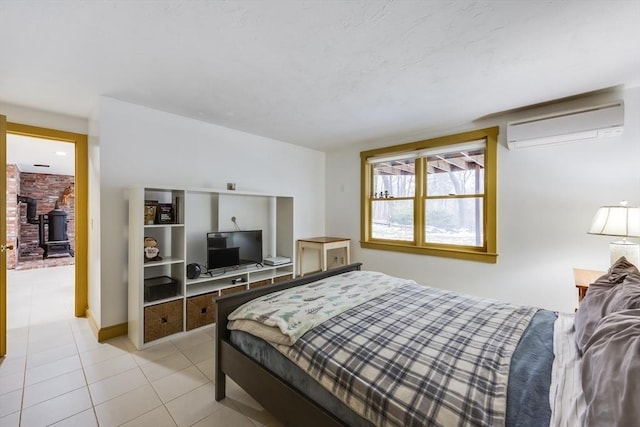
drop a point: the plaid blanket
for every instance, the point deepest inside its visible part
(417, 356)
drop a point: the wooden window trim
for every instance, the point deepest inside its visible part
(487, 253)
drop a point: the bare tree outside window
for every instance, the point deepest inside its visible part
(433, 197)
(454, 199)
(394, 184)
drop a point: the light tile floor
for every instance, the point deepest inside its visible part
(56, 373)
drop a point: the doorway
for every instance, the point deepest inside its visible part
(79, 191)
(40, 202)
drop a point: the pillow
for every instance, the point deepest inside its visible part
(611, 371)
(617, 290)
(620, 269)
(626, 295)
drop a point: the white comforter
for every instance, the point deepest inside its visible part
(283, 317)
(566, 398)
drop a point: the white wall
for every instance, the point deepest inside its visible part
(547, 197)
(45, 119)
(94, 249)
(140, 146)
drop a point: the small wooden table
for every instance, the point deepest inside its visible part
(582, 279)
(582, 292)
(323, 245)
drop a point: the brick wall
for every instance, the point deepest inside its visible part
(13, 188)
(46, 189)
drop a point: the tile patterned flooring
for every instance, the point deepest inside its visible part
(56, 373)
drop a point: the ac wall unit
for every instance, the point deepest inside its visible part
(568, 126)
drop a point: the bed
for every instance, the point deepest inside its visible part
(438, 363)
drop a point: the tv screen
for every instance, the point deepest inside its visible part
(222, 257)
(222, 246)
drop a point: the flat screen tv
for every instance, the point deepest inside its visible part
(233, 248)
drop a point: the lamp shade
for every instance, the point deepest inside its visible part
(620, 220)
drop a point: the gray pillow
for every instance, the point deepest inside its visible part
(617, 290)
(626, 295)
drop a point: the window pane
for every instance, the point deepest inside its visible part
(456, 173)
(394, 179)
(392, 219)
(454, 221)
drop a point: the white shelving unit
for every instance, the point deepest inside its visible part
(198, 212)
(248, 276)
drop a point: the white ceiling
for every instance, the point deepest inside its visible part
(316, 73)
(36, 155)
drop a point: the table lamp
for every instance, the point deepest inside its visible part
(622, 221)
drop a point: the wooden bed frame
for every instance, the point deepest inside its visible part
(282, 400)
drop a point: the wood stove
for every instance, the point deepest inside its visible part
(57, 245)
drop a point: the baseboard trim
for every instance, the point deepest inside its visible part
(112, 332)
(103, 334)
(92, 322)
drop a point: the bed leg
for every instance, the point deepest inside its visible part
(221, 386)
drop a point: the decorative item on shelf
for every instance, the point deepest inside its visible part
(195, 270)
(382, 195)
(165, 213)
(161, 287)
(151, 250)
(379, 195)
(64, 197)
(231, 185)
(622, 221)
(150, 207)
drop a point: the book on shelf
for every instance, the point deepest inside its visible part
(165, 213)
(150, 207)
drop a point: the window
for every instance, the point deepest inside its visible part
(432, 197)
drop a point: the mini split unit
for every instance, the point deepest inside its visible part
(567, 126)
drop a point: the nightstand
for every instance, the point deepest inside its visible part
(583, 278)
(322, 245)
(582, 292)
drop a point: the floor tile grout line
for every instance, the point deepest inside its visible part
(24, 387)
(26, 356)
(149, 383)
(84, 374)
(120, 395)
(52, 397)
(163, 404)
(30, 325)
(78, 332)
